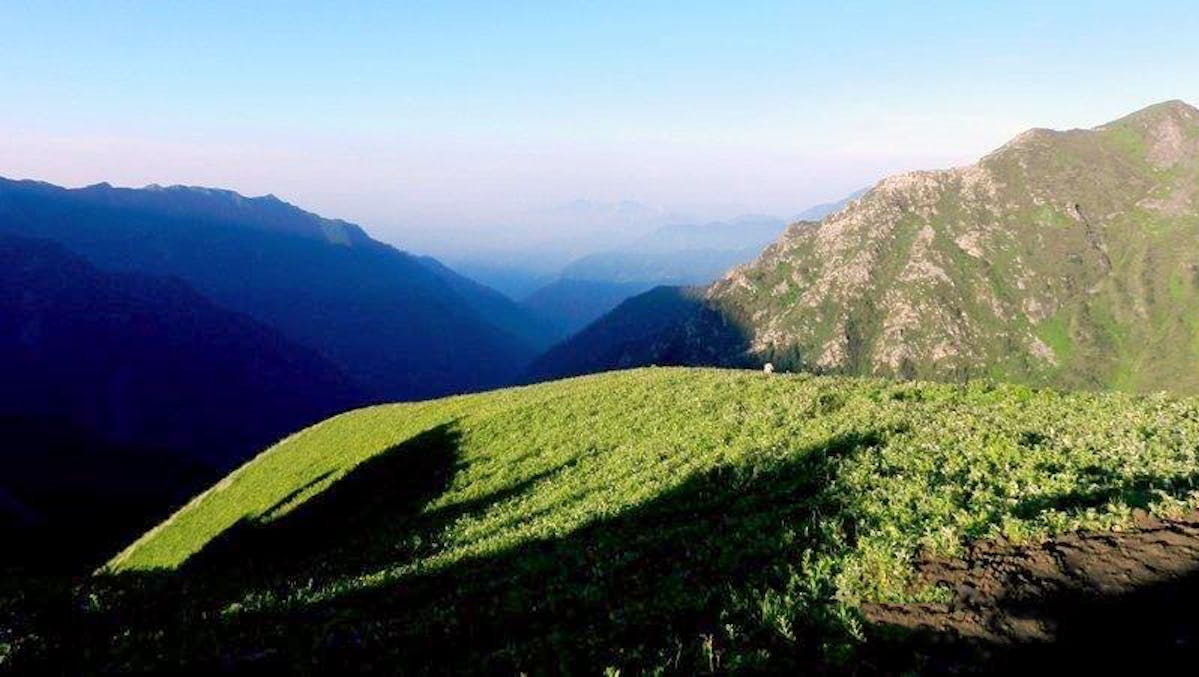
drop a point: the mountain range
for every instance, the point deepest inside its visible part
(677, 254)
(183, 328)
(1068, 258)
(125, 389)
(400, 326)
(154, 338)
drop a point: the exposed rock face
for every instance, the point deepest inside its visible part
(1062, 257)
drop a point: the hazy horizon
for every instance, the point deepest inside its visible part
(459, 128)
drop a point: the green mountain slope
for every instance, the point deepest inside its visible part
(670, 518)
(1064, 258)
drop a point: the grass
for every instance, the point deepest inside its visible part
(649, 520)
(1056, 333)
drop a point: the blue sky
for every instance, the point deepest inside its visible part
(446, 125)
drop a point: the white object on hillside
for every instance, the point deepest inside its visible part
(769, 368)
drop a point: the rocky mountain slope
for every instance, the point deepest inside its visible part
(1064, 257)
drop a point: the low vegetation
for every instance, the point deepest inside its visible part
(657, 520)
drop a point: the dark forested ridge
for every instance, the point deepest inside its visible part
(146, 361)
(122, 390)
(400, 327)
(663, 326)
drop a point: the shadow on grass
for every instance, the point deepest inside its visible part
(654, 586)
(1136, 492)
(675, 583)
(373, 517)
(354, 524)
(660, 584)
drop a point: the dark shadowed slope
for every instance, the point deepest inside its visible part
(122, 391)
(68, 496)
(571, 305)
(664, 326)
(390, 321)
(147, 361)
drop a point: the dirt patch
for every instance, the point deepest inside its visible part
(1101, 601)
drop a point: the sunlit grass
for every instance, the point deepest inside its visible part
(783, 502)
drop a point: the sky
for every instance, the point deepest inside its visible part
(459, 127)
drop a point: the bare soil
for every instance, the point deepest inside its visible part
(1102, 602)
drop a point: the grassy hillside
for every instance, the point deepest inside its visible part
(659, 518)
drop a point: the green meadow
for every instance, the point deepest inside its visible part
(661, 519)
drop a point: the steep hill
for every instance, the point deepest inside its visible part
(569, 304)
(115, 380)
(401, 327)
(675, 519)
(678, 254)
(666, 326)
(1066, 258)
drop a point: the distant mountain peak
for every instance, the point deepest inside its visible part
(202, 204)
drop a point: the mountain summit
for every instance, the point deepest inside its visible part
(1064, 257)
